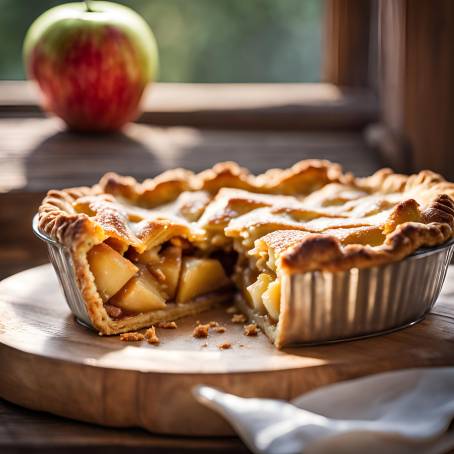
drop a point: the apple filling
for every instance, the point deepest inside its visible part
(260, 284)
(265, 296)
(135, 283)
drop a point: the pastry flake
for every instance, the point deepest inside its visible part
(151, 336)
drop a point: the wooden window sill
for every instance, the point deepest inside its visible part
(320, 106)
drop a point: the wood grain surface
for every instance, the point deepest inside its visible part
(318, 106)
(48, 157)
(24, 431)
(56, 365)
(416, 69)
(347, 33)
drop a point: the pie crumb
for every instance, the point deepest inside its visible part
(167, 325)
(113, 311)
(213, 324)
(225, 346)
(205, 345)
(220, 329)
(238, 318)
(232, 310)
(251, 330)
(201, 331)
(131, 337)
(151, 337)
(241, 345)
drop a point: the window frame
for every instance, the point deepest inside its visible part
(344, 100)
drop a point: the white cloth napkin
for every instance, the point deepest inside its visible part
(407, 411)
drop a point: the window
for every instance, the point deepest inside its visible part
(205, 40)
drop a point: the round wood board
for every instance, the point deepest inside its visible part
(50, 362)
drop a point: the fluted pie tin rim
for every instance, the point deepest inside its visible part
(323, 307)
(62, 262)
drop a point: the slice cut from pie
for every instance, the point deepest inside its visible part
(177, 244)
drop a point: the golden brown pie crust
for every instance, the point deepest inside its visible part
(423, 217)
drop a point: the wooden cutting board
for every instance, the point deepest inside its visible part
(49, 362)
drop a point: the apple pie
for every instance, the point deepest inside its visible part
(177, 244)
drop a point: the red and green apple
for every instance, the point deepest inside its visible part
(92, 61)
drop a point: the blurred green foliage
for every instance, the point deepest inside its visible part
(203, 40)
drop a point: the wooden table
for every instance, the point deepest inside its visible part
(36, 154)
(24, 431)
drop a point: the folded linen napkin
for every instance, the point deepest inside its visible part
(406, 411)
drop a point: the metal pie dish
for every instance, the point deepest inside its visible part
(321, 307)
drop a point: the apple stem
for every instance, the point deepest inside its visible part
(87, 6)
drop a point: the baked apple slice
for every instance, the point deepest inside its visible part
(170, 267)
(200, 276)
(141, 294)
(110, 269)
(256, 291)
(272, 299)
(265, 294)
